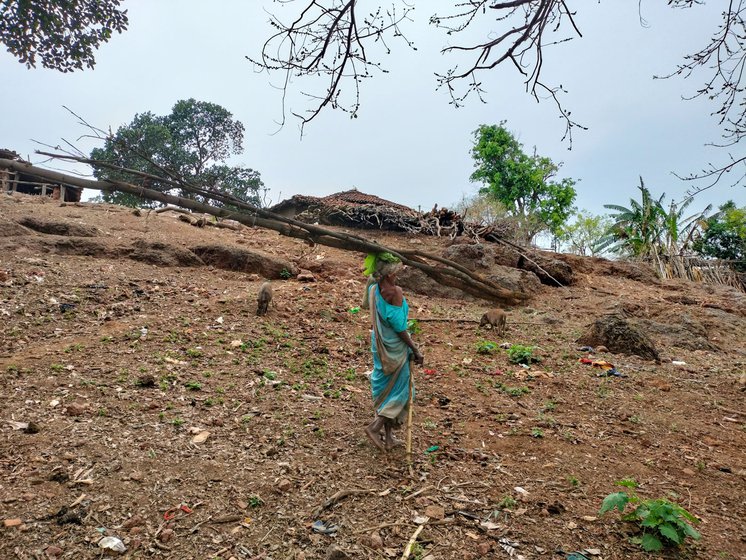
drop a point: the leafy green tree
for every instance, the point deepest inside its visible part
(724, 236)
(637, 229)
(523, 183)
(63, 34)
(585, 234)
(191, 144)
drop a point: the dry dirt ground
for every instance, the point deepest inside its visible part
(164, 413)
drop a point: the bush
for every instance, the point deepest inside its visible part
(663, 523)
(518, 354)
(486, 347)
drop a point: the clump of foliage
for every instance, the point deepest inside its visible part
(724, 236)
(62, 35)
(663, 523)
(524, 184)
(413, 326)
(647, 230)
(193, 143)
(519, 354)
(486, 347)
(584, 235)
(512, 391)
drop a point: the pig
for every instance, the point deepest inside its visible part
(263, 299)
(496, 318)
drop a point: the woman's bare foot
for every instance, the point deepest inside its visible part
(373, 431)
(393, 443)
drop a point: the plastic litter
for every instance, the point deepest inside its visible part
(324, 527)
(432, 449)
(354, 310)
(607, 368)
(678, 363)
(112, 543)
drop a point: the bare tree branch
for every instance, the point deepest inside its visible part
(328, 39)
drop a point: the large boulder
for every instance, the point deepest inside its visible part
(235, 258)
(518, 281)
(484, 256)
(620, 336)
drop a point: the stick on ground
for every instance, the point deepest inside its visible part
(410, 544)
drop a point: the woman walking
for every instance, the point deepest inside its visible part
(392, 349)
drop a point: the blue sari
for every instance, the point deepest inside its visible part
(390, 378)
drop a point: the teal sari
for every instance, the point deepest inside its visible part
(390, 378)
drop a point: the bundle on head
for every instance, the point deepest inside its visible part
(496, 318)
(263, 299)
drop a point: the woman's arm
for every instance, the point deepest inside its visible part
(419, 359)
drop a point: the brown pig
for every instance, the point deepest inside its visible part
(496, 318)
(263, 299)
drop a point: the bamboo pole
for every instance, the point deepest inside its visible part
(409, 419)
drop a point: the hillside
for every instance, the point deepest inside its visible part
(132, 352)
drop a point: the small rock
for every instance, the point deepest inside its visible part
(13, 522)
(53, 551)
(75, 409)
(374, 541)
(137, 476)
(201, 437)
(601, 348)
(484, 548)
(335, 553)
(284, 485)
(32, 428)
(305, 276)
(134, 521)
(422, 501)
(688, 472)
(166, 535)
(435, 512)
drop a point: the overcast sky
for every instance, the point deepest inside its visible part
(408, 144)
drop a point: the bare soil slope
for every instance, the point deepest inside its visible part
(164, 413)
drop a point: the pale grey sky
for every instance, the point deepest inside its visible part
(408, 144)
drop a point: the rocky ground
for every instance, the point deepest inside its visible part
(142, 399)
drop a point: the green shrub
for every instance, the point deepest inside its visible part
(518, 354)
(486, 347)
(663, 523)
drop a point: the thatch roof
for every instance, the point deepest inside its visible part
(353, 198)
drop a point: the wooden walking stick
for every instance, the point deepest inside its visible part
(409, 419)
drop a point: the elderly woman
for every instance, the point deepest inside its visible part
(392, 349)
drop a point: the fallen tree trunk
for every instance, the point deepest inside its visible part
(450, 273)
